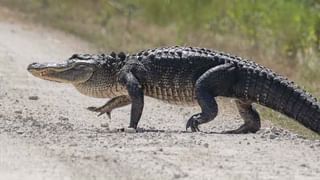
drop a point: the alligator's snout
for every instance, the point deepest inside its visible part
(38, 69)
(64, 72)
(49, 66)
(33, 66)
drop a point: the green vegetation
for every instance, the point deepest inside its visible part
(281, 34)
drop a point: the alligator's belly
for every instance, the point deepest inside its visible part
(172, 95)
(105, 91)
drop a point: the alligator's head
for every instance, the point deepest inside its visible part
(78, 69)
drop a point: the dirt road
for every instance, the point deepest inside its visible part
(47, 133)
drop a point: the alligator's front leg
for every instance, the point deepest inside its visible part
(135, 91)
(112, 104)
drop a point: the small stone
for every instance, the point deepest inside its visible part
(303, 165)
(73, 145)
(161, 150)
(176, 176)
(105, 125)
(36, 124)
(130, 130)
(91, 136)
(272, 136)
(206, 145)
(114, 130)
(20, 131)
(61, 118)
(87, 157)
(34, 98)
(18, 112)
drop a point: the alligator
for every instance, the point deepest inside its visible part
(183, 76)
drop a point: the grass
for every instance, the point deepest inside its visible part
(282, 35)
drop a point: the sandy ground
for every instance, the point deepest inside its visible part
(47, 133)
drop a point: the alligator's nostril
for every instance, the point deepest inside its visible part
(31, 66)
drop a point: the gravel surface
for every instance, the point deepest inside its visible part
(47, 133)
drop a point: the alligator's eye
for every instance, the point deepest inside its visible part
(74, 56)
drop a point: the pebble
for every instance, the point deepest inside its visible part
(20, 131)
(34, 98)
(206, 145)
(18, 112)
(105, 125)
(73, 145)
(272, 136)
(303, 165)
(114, 130)
(130, 130)
(36, 124)
(61, 118)
(176, 176)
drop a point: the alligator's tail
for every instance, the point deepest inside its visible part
(282, 95)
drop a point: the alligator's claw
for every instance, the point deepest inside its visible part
(193, 123)
(100, 110)
(91, 108)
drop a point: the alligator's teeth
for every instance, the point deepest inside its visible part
(43, 73)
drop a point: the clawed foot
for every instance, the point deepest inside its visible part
(100, 110)
(244, 129)
(193, 123)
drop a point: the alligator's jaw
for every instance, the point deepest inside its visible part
(67, 72)
(49, 71)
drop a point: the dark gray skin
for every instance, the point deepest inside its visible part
(183, 76)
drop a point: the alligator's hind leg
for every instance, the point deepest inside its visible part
(250, 116)
(214, 82)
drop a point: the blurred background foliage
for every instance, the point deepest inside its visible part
(281, 34)
(289, 26)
